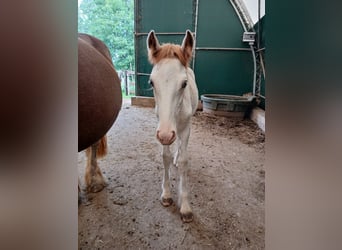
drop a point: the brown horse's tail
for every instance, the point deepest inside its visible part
(101, 148)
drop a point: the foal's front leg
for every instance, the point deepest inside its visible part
(166, 199)
(182, 164)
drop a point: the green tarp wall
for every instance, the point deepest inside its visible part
(218, 26)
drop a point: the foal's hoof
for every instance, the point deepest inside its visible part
(187, 217)
(166, 202)
(96, 188)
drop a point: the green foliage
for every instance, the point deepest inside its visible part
(112, 21)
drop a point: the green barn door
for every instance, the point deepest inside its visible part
(222, 63)
(170, 20)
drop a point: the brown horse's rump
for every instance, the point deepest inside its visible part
(99, 91)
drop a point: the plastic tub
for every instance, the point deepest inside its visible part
(227, 105)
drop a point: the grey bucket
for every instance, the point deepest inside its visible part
(227, 105)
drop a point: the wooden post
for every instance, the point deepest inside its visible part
(126, 84)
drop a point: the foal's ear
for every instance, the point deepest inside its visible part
(153, 46)
(187, 45)
(152, 42)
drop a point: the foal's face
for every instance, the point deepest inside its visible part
(169, 82)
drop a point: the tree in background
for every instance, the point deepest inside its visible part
(112, 21)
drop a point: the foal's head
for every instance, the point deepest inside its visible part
(169, 80)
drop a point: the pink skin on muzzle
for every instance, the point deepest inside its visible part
(166, 137)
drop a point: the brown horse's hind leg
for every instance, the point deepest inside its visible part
(93, 177)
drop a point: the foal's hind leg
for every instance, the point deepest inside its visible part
(166, 199)
(93, 178)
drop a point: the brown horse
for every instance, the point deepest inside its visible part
(99, 103)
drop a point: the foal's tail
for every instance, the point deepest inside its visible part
(101, 148)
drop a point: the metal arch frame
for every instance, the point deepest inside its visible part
(245, 19)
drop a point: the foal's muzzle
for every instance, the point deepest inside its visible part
(166, 138)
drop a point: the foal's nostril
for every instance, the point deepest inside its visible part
(173, 137)
(160, 138)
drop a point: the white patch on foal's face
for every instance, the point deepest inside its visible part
(169, 81)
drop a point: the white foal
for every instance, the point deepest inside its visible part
(176, 98)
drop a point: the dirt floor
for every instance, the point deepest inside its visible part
(227, 188)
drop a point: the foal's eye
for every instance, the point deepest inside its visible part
(184, 84)
(151, 83)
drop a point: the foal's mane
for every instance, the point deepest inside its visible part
(168, 50)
